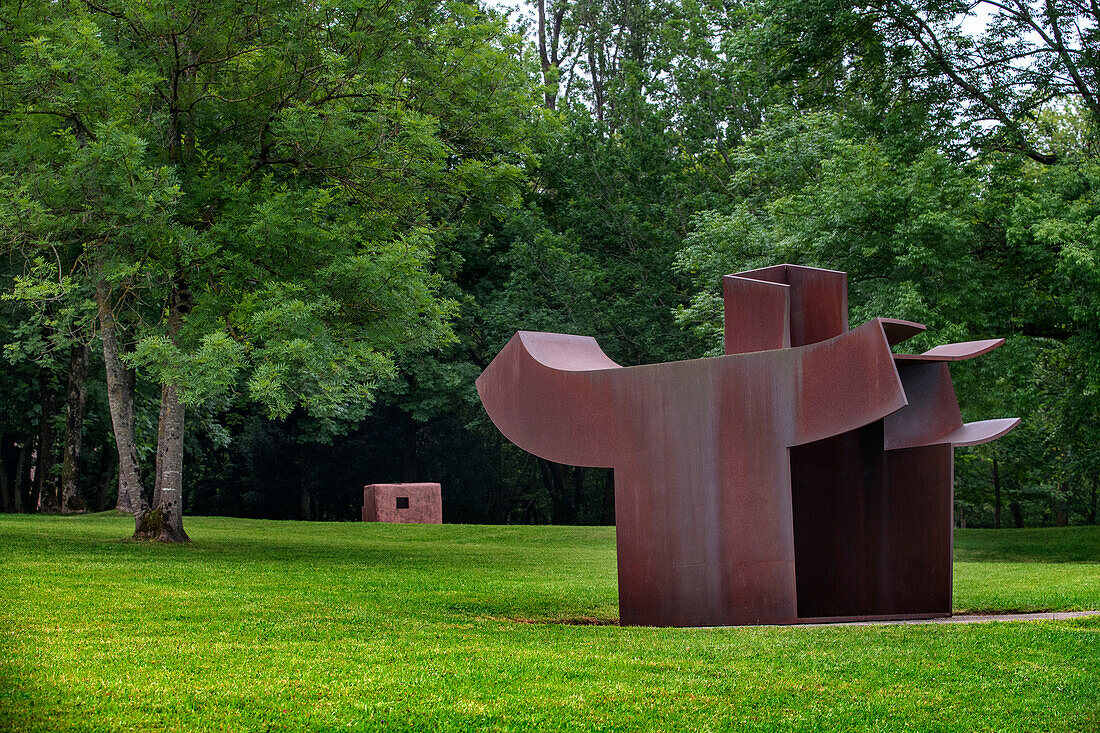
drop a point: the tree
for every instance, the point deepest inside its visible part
(255, 189)
(984, 73)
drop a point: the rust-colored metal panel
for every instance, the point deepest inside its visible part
(933, 410)
(819, 304)
(541, 396)
(757, 314)
(818, 308)
(403, 503)
(982, 431)
(898, 330)
(952, 352)
(754, 487)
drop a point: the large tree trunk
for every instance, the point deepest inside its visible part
(170, 467)
(44, 496)
(120, 400)
(162, 445)
(122, 498)
(77, 397)
(169, 484)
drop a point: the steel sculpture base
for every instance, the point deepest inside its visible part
(805, 475)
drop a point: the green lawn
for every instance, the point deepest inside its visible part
(287, 626)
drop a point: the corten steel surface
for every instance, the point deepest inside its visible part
(786, 480)
(403, 503)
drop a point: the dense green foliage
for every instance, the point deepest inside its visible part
(296, 626)
(363, 213)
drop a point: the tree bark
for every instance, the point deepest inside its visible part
(74, 425)
(44, 493)
(548, 56)
(122, 498)
(162, 445)
(597, 78)
(120, 400)
(169, 470)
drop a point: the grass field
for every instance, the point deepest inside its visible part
(286, 626)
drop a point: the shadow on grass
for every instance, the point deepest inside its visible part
(564, 621)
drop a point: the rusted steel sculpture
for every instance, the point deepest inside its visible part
(806, 475)
(403, 503)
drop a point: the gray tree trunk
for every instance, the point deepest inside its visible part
(77, 397)
(169, 482)
(162, 461)
(548, 56)
(122, 499)
(170, 467)
(120, 400)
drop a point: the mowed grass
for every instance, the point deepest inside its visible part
(285, 626)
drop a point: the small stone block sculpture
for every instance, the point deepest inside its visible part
(403, 503)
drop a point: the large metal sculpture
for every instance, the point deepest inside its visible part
(804, 476)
